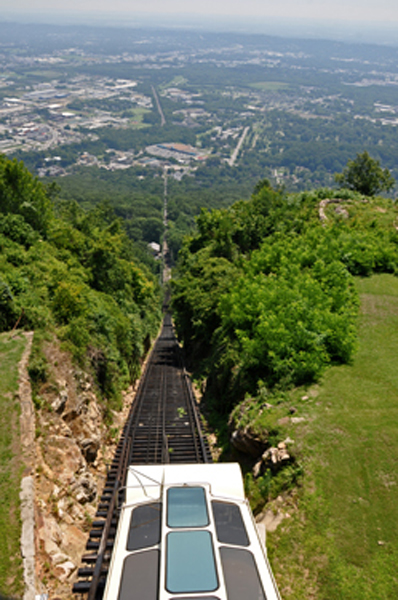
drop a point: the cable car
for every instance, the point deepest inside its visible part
(186, 532)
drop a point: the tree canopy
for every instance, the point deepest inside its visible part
(75, 274)
(365, 175)
(264, 295)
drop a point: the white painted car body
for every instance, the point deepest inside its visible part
(203, 508)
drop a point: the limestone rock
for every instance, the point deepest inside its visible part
(49, 535)
(63, 456)
(64, 571)
(59, 558)
(62, 429)
(73, 541)
(298, 420)
(342, 212)
(75, 411)
(58, 405)
(274, 458)
(288, 441)
(84, 489)
(257, 469)
(63, 506)
(270, 519)
(89, 447)
(247, 442)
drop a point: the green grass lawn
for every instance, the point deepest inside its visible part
(11, 583)
(137, 114)
(341, 541)
(177, 81)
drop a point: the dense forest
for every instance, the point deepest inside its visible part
(74, 274)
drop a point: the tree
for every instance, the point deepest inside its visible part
(21, 193)
(365, 175)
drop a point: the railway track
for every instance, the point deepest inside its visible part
(163, 427)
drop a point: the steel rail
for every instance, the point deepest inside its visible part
(152, 427)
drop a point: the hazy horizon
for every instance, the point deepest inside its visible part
(342, 29)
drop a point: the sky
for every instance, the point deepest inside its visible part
(349, 20)
(338, 10)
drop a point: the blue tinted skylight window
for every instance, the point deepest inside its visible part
(190, 565)
(186, 507)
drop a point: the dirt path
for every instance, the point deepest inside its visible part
(27, 493)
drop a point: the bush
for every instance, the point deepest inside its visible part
(75, 275)
(7, 307)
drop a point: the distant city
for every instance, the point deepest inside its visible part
(293, 110)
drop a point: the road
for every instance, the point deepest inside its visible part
(235, 153)
(162, 118)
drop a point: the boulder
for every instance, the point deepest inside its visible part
(342, 212)
(248, 442)
(63, 456)
(84, 489)
(49, 535)
(270, 520)
(59, 558)
(62, 429)
(89, 448)
(58, 405)
(74, 412)
(298, 420)
(257, 469)
(288, 441)
(74, 541)
(64, 570)
(275, 458)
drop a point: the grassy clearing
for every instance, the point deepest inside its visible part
(137, 115)
(342, 540)
(177, 81)
(10, 467)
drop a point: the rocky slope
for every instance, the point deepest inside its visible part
(73, 446)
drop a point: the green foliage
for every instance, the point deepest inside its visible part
(346, 526)
(37, 367)
(269, 486)
(18, 230)
(82, 281)
(286, 318)
(11, 571)
(196, 298)
(265, 293)
(21, 194)
(7, 307)
(365, 175)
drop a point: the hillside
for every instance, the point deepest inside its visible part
(11, 350)
(73, 274)
(341, 538)
(71, 277)
(286, 306)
